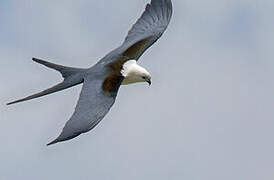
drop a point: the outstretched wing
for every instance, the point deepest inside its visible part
(145, 32)
(148, 28)
(94, 103)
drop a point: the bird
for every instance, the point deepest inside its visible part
(102, 81)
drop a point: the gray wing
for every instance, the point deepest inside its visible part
(93, 104)
(146, 31)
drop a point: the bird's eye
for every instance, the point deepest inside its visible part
(143, 77)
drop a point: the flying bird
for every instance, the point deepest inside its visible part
(102, 81)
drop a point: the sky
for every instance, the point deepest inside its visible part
(208, 114)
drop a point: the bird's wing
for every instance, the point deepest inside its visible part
(96, 99)
(148, 28)
(146, 31)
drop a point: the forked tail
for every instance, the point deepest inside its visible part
(72, 77)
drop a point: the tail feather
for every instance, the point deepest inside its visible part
(72, 77)
(56, 88)
(65, 71)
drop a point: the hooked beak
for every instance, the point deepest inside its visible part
(148, 81)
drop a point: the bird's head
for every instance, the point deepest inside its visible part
(134, 73)
(146, 77)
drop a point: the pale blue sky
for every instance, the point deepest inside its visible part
(208, 114)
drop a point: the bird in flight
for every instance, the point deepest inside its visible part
(102, 81)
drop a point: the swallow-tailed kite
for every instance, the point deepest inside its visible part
(101, 82)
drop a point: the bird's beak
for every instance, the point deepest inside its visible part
(148, 81)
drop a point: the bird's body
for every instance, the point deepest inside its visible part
(102, 81)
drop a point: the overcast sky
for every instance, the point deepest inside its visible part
(207, 116)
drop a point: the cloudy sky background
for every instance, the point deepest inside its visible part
(208, 114)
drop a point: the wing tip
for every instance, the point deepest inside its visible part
(53, 142)
(62, 138)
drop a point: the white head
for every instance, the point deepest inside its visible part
(134, 73)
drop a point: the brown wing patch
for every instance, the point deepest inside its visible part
(114, 77)
(137, 49)
(111, 83)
